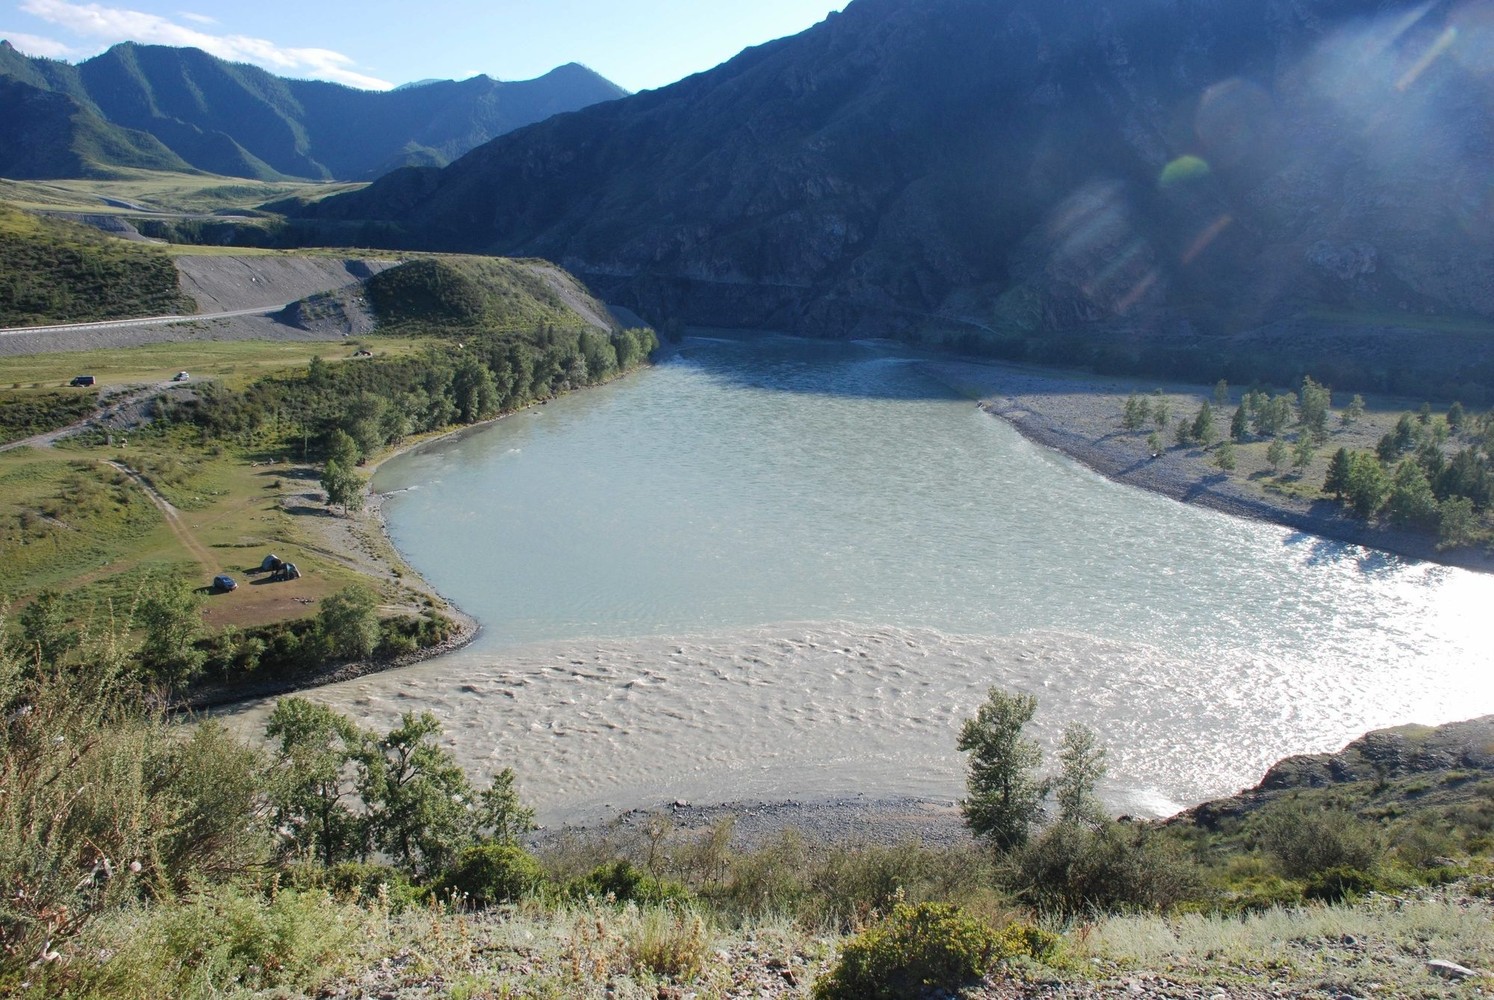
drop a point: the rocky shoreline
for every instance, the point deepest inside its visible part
(1079, 415)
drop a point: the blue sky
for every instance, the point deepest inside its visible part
(375, 44)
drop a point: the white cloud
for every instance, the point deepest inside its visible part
(113, 24)
(196, 18)
(36, 45)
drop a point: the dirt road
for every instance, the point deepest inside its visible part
(173, 517)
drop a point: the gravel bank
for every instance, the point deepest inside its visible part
(1080, 415)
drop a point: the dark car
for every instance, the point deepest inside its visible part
(82, 380)
(224, 582)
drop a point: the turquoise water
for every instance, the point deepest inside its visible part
(771, 568)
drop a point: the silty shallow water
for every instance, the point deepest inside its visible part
(777, 568)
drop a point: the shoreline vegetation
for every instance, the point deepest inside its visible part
(1079, 416)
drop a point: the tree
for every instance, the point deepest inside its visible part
(600, 355)
(340, 447)
(1005, 794)
(1276, 453)
(45, 633)
(1303, 450)
(1404, 438)
(1224, 456)
(1081, 765)
(1135, 415)
(344, 487)
(1272, 415)
(312, 780)
(350, 621)
(318, 372)
(1339, 469)
(1313, 403)
(1161, 412)
(1411, 500)
(1386, 450)
(171, 617)
(474, 391)
(501, 817)
(1353, 412)
(1239, 424)
(1203, 425)
(1154, 443)
(1456, 524)
(1367, 485)
(1456, 417)
(1221, 394)
(363, 420)
(416, 796)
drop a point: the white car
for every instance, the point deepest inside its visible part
(180, 377)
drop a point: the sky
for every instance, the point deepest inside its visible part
(376, 44)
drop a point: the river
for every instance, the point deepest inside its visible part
(775, 568)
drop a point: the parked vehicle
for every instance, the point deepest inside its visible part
(82, 380)
(224, 583)
(180, 377)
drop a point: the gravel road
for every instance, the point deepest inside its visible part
(238, 298)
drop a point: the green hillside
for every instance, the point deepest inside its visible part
(56, 272)
(456, 294)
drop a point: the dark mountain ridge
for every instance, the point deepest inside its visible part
(181, 108)
(1244, 188)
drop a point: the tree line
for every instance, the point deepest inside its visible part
(1432, 472)
(379, 402)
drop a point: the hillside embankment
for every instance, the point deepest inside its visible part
(238, 297)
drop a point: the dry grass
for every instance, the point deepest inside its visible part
(1382, 941)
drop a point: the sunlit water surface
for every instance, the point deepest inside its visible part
(786, 569)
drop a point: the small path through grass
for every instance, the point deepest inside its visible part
(174, 521)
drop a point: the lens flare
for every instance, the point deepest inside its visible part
(1211, 233)
(1441, 45)
(1183, 170)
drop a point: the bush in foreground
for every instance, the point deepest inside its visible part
(918, 947)
(489, 874)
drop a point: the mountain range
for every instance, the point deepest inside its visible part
(1241, 188)
(164, 108)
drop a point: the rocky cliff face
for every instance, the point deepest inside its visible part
(1145, 175)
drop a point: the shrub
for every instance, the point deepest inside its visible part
(1075, 868)
(1306, 841)
(492, 873)
(220, 941)
(917, 947)
(1258, 893)
(666, 941)
(767, 881)
(357, 881)
(624, 883)
(1340, 884)
(852, 886)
